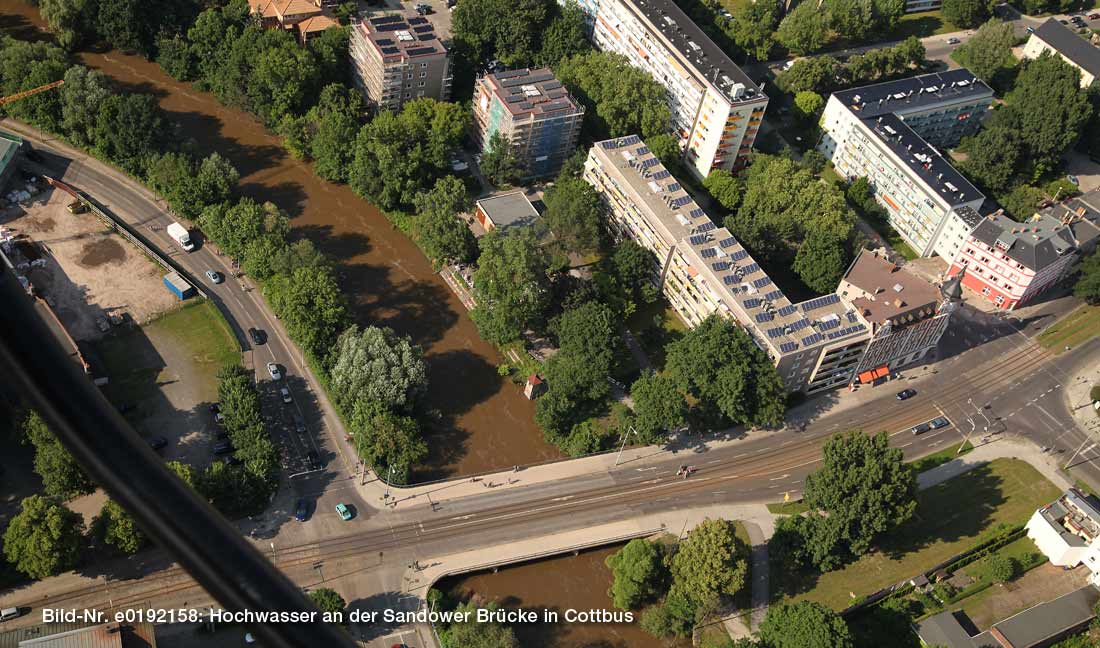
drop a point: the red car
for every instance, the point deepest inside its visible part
(1094, 16)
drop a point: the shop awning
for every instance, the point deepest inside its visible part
(871, 375)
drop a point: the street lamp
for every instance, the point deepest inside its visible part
(626, 436)
(272, 552)
(388, 480)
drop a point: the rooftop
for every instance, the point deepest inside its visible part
(1041, 623)
(402, 36)
(969, 216)
(532, 92)
(1070, 45)
(107, 635)
(509, 210)
(1035, 243)
(1081, 213)
(723, 265)
(895, 294)
(1074, 516)
(709, 61)
(913, 94)
(923, 159)
(943, 629)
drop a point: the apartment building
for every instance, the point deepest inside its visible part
(702, 269)
(907, 315)
(1067, 531)
(1052, 36)
(889, 132)
(305, 18)
(716, 107)
(1010, 263)
(398, 58)
(534, 112)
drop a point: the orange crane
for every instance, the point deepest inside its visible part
(26, 93)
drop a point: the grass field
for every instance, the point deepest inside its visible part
(925, 23)
(1073, 329)
(939, 458)
(948, 520)
(796, 507)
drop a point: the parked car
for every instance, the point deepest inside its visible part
(77, 207)
(423, 9)
(313, 459)
(953, 41)
(157, 442)
(273, 369)
(299, 423)
(1073, 179)
(451, 4)
(285, 393)
(301, 511)
(1094, 16)
(219, 418)
(214, 276)
(939, 422)
(344, 512)
(256, 335)
(921, 429)
(223, 447)
(215, 408)
(906, 394)
(7, 614)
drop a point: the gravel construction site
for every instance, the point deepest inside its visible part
(88, 274)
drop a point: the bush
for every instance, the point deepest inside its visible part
(1000, 568)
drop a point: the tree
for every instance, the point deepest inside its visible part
(327, 600)
(565, 36)
(510, 285)
(127, 130)
(311, 305)
(116, 527)
(710, 563)
(1001, 568)
(126, 24)
(804, 30)
(725, 188)
(658, 406)
(989, 51)
(1088, 284)
(887, 15)
(821, 261)
(809, 104)
(993, 158)
(967, 13)
(330, 147)
(499, 162)
(675, 616)
(442, 235)
(376, 366)
(81, 96)
(806, 624)
(44, 539)
(390, 443)
(192, 187)
(67, 20)
(1047, 107)
(330, 51)
(718, 364)
(819, 73)
(666, 148)
(61, 476)
(25, 66)
(619, 98)
(638, 574)
(474, 634)
(573, 210)
(174, 57)
(1022, 202)
(234, 226)
(509, 31)
(633, 267)
(753, 28)
(862, 490)
(585, 438)
(850, 19)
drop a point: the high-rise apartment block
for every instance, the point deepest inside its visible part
(534, 112)
(716, 108)
(702, 269)
(398, 58)
(889, 132)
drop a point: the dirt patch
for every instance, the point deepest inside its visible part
(1044, 583)
(101, 251)
(87, 272)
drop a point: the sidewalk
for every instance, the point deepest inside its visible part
(1002, 448)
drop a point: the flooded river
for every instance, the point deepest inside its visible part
(485, 421)
(578, 582)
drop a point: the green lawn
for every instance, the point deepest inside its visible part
(1073, 329)
(934, 460)
(796, 507)
(925, 23)
(134, 364)
(949, 519)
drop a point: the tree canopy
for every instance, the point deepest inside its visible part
(967, 13)
(442, 235)
(658, 406)
(619, 98)
(989, 51)
(806, 624)
(61, 476)
(377, 366)
(116, 527)
(327, 600)
(710, 563)
(1088, 284)
(499, 162)
(510, 284)
(472, 634)
(44, 539)
(573, 211)
(638, 572)
(805, 30)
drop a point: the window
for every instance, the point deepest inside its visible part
(423, 75)
(420, 84)
(1000, 300)
(423, 65)
(410, 75)
(985, 291)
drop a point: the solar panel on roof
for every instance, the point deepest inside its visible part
(417, 51)
(825, 325)
(422, 28)
(384, 41)
(752, 302)
(720, 266)
(642, 150)
(608, 144)
(811, 339)
(698, 239)
(630, 140)
(729, 279)
(390, 50)
(740, 254)
(686, 200)
(661, 175)
(852, 316)
(752, 267)
(650, 162)
(787, 347)
(426, 37)
(820, 302)
(705, 227)
(800, 324)
(764, 317)
(787, 310)
(728, 242)
(774, 295)
(708, 253)
(775, 332)
(697, 212)
(761, 282)
(673, 186)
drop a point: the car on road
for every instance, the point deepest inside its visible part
(313, 459)
(939, 422)
(1094, 16)
(273, 369)
(223, 447)
(423, 9)
(953, 41)
(344, 512)
(157, 442)
(301, 511)
(285, 394)
(921, 429)
(214, 276)
(256, 335)
(906, 394)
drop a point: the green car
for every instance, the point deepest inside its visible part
(344, 511)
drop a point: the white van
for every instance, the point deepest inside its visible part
(7, 614)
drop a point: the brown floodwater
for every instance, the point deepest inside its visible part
(484, 421)
(569, 582)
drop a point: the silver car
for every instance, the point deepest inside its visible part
(273, 369)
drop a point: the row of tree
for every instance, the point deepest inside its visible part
(824, 74)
